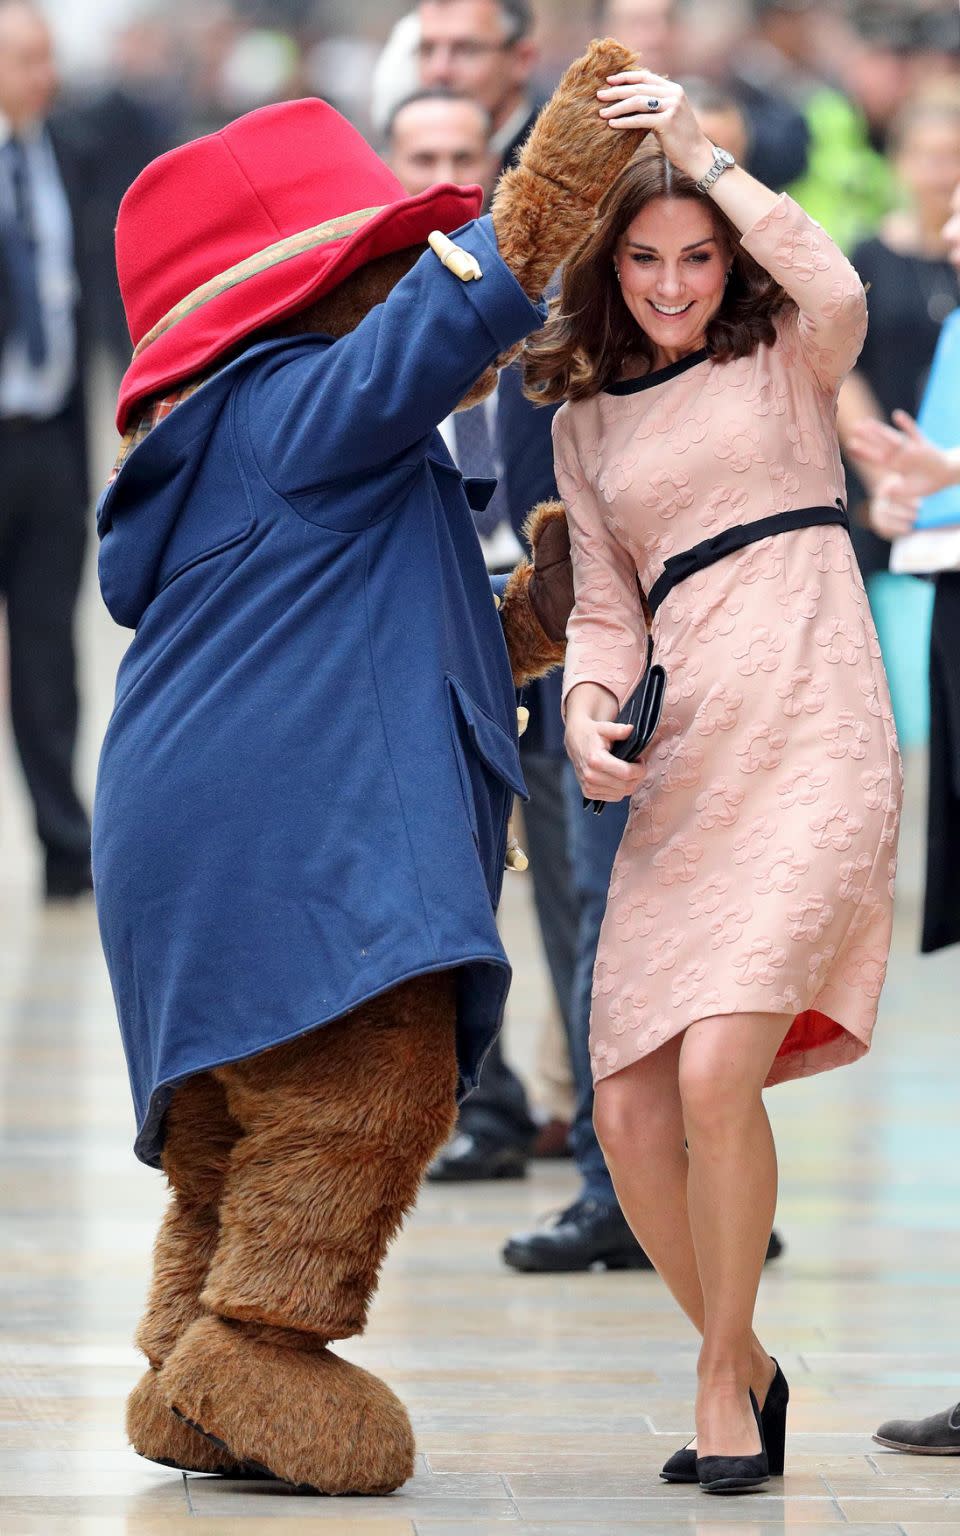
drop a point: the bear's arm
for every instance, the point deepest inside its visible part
(546, 205)
(324, 413)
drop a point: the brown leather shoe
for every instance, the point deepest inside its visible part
(937, 1436)
(552, 1140)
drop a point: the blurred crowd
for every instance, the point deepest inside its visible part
(851, 105)
(820, 86)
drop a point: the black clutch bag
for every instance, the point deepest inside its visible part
(641, 711)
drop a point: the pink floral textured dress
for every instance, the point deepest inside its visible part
(756, 871)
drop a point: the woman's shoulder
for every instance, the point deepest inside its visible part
(575, 418)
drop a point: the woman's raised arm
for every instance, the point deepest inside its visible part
(774, 229)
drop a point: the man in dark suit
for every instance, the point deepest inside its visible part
(42, 436)
(510, 437)
(440, 134)
(136, 115)
(484, 49)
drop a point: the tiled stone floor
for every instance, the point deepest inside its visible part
(542, 1405)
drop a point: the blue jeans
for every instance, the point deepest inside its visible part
(593, 842)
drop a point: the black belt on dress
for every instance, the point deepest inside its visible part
(709, 551)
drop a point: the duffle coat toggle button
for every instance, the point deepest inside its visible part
(458, 261)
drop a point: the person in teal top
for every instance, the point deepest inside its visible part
(921, 464)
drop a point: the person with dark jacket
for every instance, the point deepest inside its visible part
(482, 50)
(42, 434)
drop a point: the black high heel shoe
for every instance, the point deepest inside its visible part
(736, 1474)
(773, 1418)
(681, 1467)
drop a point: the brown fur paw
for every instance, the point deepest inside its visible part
(571, 144)
(156, 1434)
(545, 206)
(309, 1418)
(484, 386)
(532, 653)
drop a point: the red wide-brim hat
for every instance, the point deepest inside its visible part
(229, 232)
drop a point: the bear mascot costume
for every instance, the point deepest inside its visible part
(302, 804)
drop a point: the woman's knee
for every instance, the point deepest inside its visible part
(628, 1118)
(719, 1083)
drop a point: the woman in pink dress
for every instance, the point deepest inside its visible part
(700, 340)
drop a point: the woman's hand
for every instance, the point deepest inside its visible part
(891, 513)
(914, 466)
(588, 739)
(640, 99)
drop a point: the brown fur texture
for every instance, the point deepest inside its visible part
(339, 312)
(545, 206)
(157, 1434)
(199, 1136)
(538, 597)
(339, 1127)
(312, 1419)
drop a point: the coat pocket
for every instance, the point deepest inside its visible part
(189, 560)
(490, 775)
(478, 489)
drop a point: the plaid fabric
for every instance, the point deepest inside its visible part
(157, 411)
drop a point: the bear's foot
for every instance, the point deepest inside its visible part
(156, 1434)
(306, 1417)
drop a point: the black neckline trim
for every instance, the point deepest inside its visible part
(658, 376)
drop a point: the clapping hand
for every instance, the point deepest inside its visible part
(891, 514)
(914, 466)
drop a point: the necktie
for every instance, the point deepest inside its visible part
(475, 456)
(20, 246)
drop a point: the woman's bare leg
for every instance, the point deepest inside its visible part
(731, 1195)
(639, 1120)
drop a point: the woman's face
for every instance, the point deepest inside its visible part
(672, 268)
(929, 160)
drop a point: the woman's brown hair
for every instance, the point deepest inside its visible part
(591, 333)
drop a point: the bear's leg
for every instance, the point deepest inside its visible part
(200, 1133)
(339, 1127)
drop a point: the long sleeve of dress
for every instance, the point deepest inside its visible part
(606, 633)
(829, 295)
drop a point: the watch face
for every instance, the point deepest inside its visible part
(726, 157)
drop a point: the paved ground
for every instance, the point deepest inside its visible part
(541, 1405)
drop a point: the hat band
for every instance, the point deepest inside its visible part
(252, 266)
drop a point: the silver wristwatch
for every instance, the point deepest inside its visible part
(722, 161)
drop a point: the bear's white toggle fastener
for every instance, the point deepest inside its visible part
(454, 257)
(515, 859)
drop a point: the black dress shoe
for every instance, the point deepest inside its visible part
(937, 1436)
(736, 1474)
(681, 1467)
(470, 1159)
(588, 1232)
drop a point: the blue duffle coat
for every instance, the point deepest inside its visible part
(304, 788)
